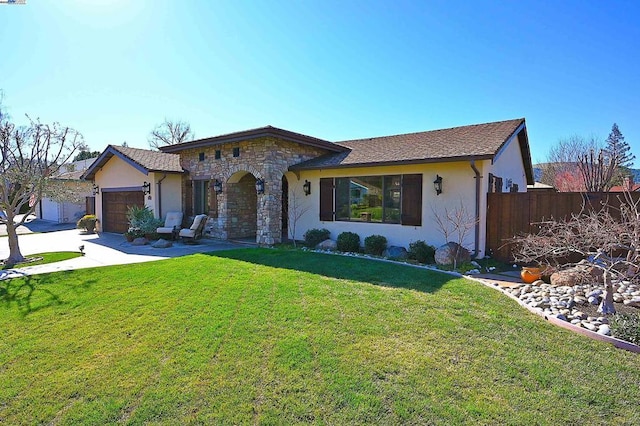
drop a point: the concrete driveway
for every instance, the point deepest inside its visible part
(101, 249)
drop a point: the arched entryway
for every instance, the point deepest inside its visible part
(241, 206)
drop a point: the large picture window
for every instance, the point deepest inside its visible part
(383, 199)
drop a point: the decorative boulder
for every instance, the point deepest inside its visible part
(568, 277)
(139, 241)
(162, 244)
(395, 252)
(327, 244)
(446, 254)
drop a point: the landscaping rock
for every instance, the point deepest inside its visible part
(395, 252)
(327, 244)
(446, 254)
(162, 244)
(139, 241)
(567, 277)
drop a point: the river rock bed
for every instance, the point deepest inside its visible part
(577, 304)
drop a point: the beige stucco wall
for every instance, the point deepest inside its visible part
(509, 165)
(117, 173)
(458, 189)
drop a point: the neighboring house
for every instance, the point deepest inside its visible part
(627, 185)
(124, 177)
(248, 182)
(74, 195)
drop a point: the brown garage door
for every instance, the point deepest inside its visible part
(114, 209)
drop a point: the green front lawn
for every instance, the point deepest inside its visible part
(265, 336)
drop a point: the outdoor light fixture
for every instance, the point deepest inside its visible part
(217, 186)
(260, 186)
(306, 187)
(437, 184)
(146, 188)
(96, 189)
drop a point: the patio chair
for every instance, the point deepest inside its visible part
(196, 229)
(172, 224)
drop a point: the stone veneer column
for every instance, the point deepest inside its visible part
(270, 211)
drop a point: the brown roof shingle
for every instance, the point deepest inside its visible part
(478, 141)
(143, 159)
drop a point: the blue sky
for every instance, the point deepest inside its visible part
(336, 70)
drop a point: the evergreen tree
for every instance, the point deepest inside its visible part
(616, 146)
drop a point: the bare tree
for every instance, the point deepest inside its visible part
(457, 223)
(297, 209)
(597, 171)
(601, 245)
(170, 133)
(561, 167)
(29, 156)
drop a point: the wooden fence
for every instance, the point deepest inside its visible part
(513, 213)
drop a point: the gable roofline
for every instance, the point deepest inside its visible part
(484, 141)
(117, 151)
(261, 132)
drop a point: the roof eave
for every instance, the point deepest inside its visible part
(394, 163)
(255, 134)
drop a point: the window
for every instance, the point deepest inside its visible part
(201, 156)
(218, 154)
(200, 197)
(383, 199)
(236, 152)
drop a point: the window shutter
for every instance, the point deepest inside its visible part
(326, 199)
(412, 200)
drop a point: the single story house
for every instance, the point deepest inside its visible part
(255, 183)
(71, 197)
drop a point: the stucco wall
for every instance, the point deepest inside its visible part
(118, 174)
(509, 166)
(458, 190)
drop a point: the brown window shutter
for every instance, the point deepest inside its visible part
(326, 199)
(412, 200)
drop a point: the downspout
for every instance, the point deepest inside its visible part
(477, 177)
(160, 195)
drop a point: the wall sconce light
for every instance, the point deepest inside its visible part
(146, 188)
(96, 189)
(306, 187)
(260, 186)
(437, 184)
(217, 186)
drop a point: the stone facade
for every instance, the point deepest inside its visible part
(267, 158)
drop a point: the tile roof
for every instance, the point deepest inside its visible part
(144, 160)
(478, 141)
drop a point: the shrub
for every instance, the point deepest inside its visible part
(315, 236)
(142, 218)
(375, 244)
(348, 241)
(87, 222)
(626, 327)
(422, 252)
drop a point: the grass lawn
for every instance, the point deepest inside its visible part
(265, 336)
(51, 257)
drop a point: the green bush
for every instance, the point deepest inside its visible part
(422, 252)
(141, 218)
(87, 222)
(315, 236)
(626, 327)
(348, 242)
(375, 244)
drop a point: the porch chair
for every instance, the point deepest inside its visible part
(172, 224)
(196, 229)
